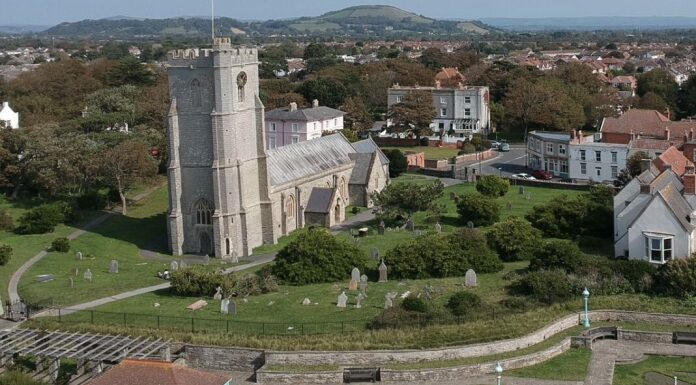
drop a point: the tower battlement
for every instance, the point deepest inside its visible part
(238, 55)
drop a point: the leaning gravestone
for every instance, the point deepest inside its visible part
(72, 282)
(470, 224)
(438, 227)
(218, 294)
(361, 297)
(174, 266)
(521, 190)
(113, 267)
(410, 226)
(342, 300)
(87, 275)
(232, 308)
(44, 278)
(389, 300)
(223, 305)
(78, 255)
(363, 285)
(380, 228)
(375, 254)
(382, 272)
(470, 279)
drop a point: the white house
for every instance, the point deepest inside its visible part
(292, 125)
(596, 161)
(655, 214)
(8, 117)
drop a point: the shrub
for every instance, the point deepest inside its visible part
(397, 317)
(44, 218)
(467, 148)
(463, 303)
(472, 245)
(516, 303)
(513, 239)
(355, 210)
(93, 200)
(414, 304)
(559, 218)
(61, 245)
(397, 162)
(196, 282)
(492, 186)
(557, 254)
(547, 286)
(5, 255)
(640, 274)
(678, 277)
(316, 256)
(478, 209)
(6, 220)
(17, 378)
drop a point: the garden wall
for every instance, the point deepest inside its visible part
(412, 142)
(221, 358)
(270, 377)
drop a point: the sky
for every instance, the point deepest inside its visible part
(50, 12)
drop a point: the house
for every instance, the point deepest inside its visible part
(449, 76)
(625, 83)
(461, 111)
(655, 213)
(596, 161)
(8, 117)
(144, 372)
(548, 151)
(645, 124)
(293, 125)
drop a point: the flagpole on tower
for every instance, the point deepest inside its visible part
(212, 18)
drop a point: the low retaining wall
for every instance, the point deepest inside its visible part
(638, 317)
(648, 337)
(221, 358)
(456, 373)
(268, 377)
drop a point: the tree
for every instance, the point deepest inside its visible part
(357, 118)
(404, 199)
(125, 165)
(316, 256)
(492, 186)
(414, 115)
(633, 163)
(476, 208)
(397, 162)
(316, 50)
(557, 254)
(561, 217)
(652, 101)
(678, 277)
(328, 92)
(687, 98)
(513, 239)
(660, 82)
(130, 70)
(110, 107)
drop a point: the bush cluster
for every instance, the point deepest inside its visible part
(479, 209)
(463, 303)
(6, 220)
(316, 256)
(196, 282)
(93, 200)
(492, 186)
(5, 254)
(61, 245)
(44, 218)
(442, 255)
(514, 239)
(678, 277)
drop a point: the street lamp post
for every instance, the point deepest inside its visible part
(500, 172)
(499, 372)
(586, 297)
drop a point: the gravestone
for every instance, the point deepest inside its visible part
(182, 264)
(235, 257)
(342, 300)
(218, 294)
(2, 308)
(87, 275)
(45, 278)
(352, 285)
(417, 233)
(206, 259)
(380, 228)
(375, 254)
(470, 279)
(363, 285)
(361, 297)
(438, 227)
(453, 195)
(113, 267)
(306, 302)
(232, 308)
(198, 305)
(174, 266)
(72, 282)
(428, 292)
(470, 224)
(521, 190)
(410, 226)
(355, 274)
(223, 305)
(78, 255)
(382, 272)
(75, 272)
(529, 196)
(389, 300)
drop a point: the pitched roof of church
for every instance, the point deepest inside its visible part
(368, 146)
(312, 157)
(361, 171)
(320, 200)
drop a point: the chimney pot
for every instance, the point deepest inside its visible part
(293, 106)
(667, 133)
(315, 103)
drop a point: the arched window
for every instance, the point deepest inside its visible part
(241, 82)
(343, 188)
(290, 207)
(227, 246)
(204, 213)
(196, 97)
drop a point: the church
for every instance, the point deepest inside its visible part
(228, 193)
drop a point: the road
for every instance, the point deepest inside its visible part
(505, 164)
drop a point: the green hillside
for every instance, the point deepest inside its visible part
(386, 13)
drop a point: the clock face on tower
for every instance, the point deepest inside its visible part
(241, 79)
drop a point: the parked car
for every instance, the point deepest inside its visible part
(495, 144)
(543, 175)
(504, 147)
(524, 176)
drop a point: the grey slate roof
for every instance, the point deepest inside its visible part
(300, 160)
(320, 200)
(368, 146)
(679, 206)
(313, 114)
(361, 170)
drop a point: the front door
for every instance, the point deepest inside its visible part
(206, 244)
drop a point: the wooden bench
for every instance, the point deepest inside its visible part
(360, 375)
(684, 338)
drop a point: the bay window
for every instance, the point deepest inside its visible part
(658, 248)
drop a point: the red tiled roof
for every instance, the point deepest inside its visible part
(639, 122)
(451, 73)
(141, 372)
(623, 79)
(674, 158)
(654, 144)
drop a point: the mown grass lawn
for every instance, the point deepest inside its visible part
(648, 372)
(434, 153)
(569, 366)
(121, 239)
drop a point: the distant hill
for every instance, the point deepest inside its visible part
(21, 29)
(591, 23)
(382, 19)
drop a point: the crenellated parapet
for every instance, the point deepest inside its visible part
(221, 46)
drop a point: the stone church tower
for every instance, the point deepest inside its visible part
(218, 176)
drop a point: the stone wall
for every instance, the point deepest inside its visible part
(269, 377)
(639, 317)
(649, 337)
(221, 358)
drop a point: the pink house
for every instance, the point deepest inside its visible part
(292, 125)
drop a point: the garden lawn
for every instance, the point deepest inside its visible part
(434, 153)
(569, 366)
(121, 239)
(682, 367)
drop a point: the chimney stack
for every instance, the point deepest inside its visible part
(666, 133)
(315, 103)
(437, 84)
(689, 181)
(645, 164)
(691, 135)
(293, 106)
